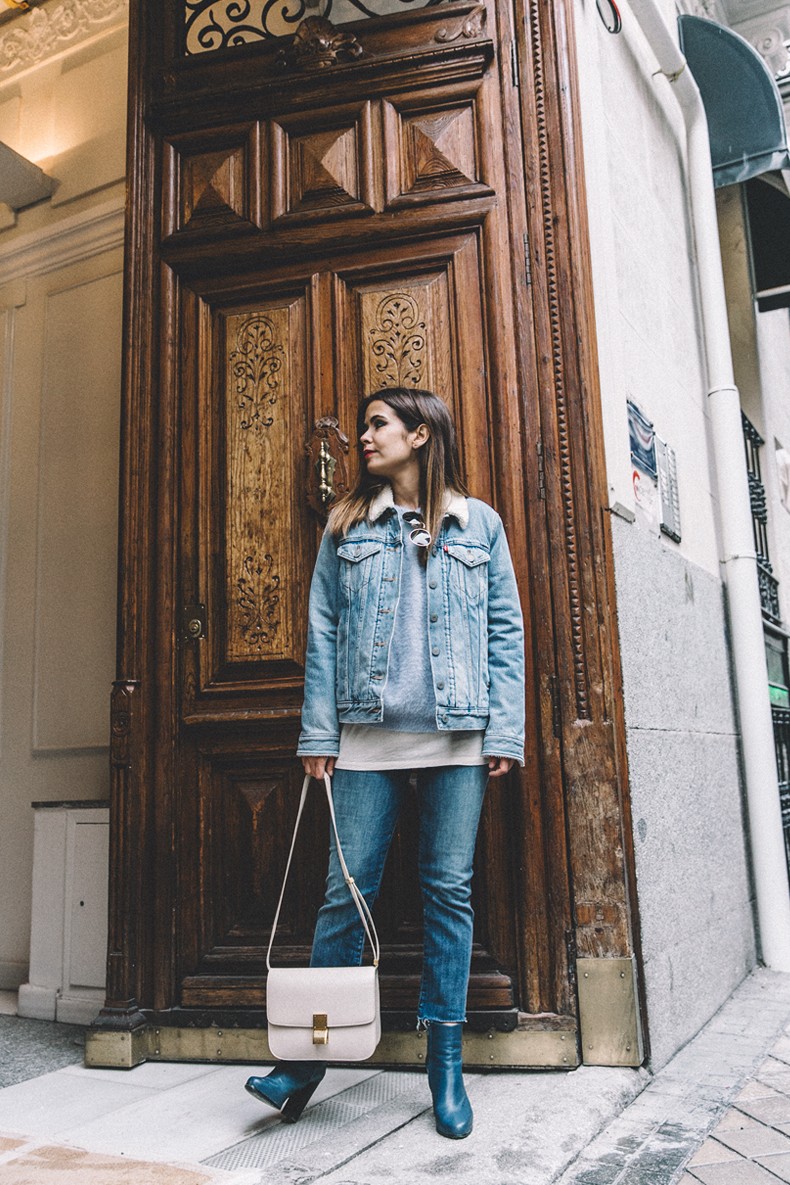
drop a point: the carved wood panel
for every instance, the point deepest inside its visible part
(245, 406)
(322, 164)
(258, 501)
(214, 179)
(434, 146)
(242, 807)
(420, 323)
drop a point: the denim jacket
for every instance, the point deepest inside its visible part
(475, 628)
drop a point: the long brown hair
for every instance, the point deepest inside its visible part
(440, 470)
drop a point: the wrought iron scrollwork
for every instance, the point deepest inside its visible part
(223, 24)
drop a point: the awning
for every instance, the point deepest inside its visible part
(746, 120)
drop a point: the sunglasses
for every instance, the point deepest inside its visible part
(419, 534)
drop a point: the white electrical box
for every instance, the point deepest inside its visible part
(68, 940)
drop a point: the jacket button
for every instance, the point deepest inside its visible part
(432, 584)
(440, 686)
(435, 650)
(434, 617)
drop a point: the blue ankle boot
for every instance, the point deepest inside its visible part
(289, 1087)
(451, 1107)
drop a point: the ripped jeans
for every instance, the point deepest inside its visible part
(367, 805)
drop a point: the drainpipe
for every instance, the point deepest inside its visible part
(738, 557)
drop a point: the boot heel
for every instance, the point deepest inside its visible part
(297, 1102)
(288, 1087)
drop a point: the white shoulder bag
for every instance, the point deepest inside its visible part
(324, 1013)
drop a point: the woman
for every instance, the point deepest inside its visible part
(414, 608)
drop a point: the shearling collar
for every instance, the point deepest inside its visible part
(455, 504)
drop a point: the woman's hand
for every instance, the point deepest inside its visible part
(316, 767)
(498, 766)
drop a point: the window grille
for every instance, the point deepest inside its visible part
(769, 585)
(224, 24)
(781, 718)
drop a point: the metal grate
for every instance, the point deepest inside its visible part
(781, 719)
(225, 24)
(769, 585)
(279, 1141)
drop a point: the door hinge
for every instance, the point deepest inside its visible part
(514, 62)
(556, 718)
(570, 948)
(541, 472)
(527, 261)
(193, 622)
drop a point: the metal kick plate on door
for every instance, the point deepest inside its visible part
(611, 1032)
(193, 622)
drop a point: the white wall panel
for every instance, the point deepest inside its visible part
(77, 515)
(61, 363)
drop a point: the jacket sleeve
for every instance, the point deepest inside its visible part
(320, 735)
(504, 736)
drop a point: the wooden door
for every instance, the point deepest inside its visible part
(314, 218)
(382, 257)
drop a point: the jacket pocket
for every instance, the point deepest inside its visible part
(468, 570)
(358, 561)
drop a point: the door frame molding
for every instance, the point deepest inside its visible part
(582, 739)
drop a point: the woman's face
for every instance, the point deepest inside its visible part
(388, 447)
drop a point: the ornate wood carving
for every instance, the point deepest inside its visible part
(256, 364)
(257, 600)
(318, 45)
(404, 329)
(257, 487)
(548, 202)
(396, 341)
(471, 26)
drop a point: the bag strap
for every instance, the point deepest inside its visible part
(360, 902)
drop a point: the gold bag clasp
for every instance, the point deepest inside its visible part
(320, 1029)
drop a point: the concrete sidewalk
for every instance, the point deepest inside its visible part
(167, 1124)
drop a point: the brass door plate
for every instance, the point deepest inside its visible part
(523, 1048)
(611, 1030)
(193, 622)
